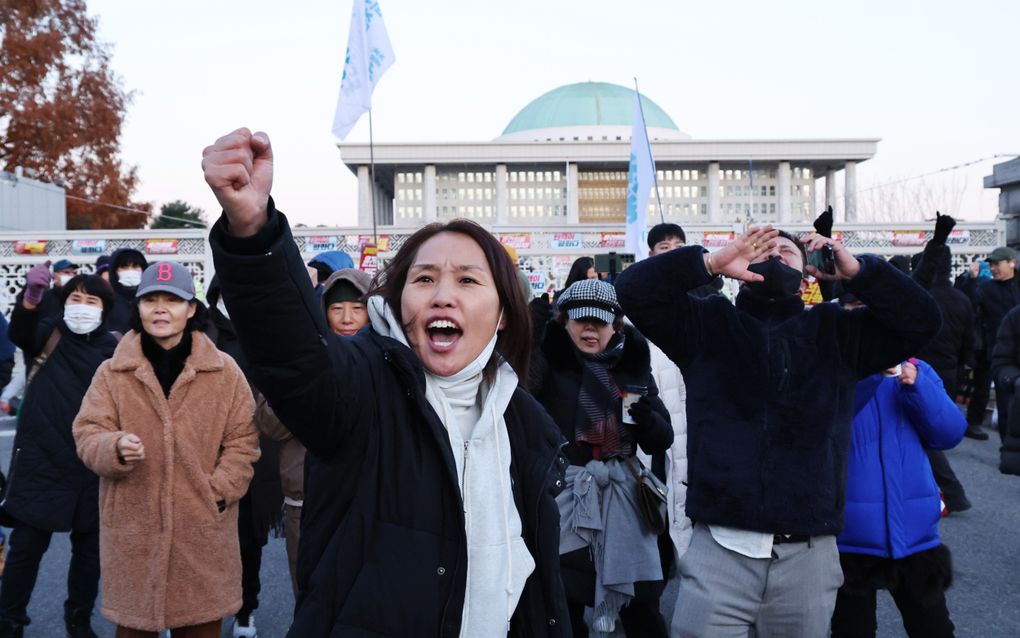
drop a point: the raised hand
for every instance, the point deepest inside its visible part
(239, 170)
(943, 226)
(846, 265)
(37, 282)
(733, 259)
(823, 223)
(908, 373)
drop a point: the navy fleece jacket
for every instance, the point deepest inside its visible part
(770, 386)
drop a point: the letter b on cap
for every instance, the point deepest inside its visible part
(164, 272)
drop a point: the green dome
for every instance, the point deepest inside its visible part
(587, 104)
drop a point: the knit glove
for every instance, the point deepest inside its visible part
(37, 282)
(943, 226)
(823, 223)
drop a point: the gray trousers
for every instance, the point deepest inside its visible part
(724, 594)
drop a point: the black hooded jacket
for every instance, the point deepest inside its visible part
(954, 344)
(119, 319)
(48, 487)
(770, 386)
(383, 545)
(992, 299)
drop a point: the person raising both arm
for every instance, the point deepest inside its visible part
(769, 405)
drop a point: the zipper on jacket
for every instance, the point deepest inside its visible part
(464, 479)
(885, 490)
(10, 479)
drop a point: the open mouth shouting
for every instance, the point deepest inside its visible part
(443, 334)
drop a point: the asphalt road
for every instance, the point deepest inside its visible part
(985, 542)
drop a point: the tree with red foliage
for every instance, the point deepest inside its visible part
(62, 108)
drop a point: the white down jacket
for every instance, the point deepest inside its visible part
(673, 393)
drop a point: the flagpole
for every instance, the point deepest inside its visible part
(371, 160)
(655, 173)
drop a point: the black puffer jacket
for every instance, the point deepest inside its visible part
(954, 343)
(48, 486)
(383, 545)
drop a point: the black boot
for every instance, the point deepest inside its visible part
(79, 623)
(11, 629)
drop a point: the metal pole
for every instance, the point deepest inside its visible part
(371, 160)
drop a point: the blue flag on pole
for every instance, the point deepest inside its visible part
(640, 180)
(368, 56)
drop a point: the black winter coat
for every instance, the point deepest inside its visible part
(992, 300)
(770, 386)
(953, 346)
(556, 379)
(383, 546)
(263, 502)
(48, 487)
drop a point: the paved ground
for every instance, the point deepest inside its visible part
(985, 542)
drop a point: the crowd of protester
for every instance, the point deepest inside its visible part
(445, 455)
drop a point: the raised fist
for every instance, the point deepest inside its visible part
(943, 226)
(239, 170)
(37, 282)
(823, 223)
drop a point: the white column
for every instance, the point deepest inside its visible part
(364, 197)
(428, 194)
(713, 193)
(502, 203)
(850, 192)
(573, 198)
(830, 188)
(783, 192)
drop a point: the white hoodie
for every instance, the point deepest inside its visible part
(499, 562)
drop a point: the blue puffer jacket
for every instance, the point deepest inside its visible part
(892, 501)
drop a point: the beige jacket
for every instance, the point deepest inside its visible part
(292, 453)
(169, 557)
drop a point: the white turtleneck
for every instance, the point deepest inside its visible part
(472, 411)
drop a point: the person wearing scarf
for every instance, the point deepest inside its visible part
(430, 479)
(610, 558)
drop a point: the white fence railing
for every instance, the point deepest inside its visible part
(545, 253)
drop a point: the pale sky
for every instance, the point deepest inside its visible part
(935, 80)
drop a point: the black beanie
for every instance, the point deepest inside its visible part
(342, 290)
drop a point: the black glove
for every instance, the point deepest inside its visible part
(943, 226)
(823, 223)
(641, 412)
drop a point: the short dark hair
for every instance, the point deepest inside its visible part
(799, 245)
(514, 341)
(90, 285)
(660, 232)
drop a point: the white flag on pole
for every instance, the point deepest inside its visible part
(640, 180)
(368, 56)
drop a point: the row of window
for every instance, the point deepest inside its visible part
(467, 177)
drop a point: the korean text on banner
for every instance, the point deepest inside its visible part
(368, 56)
(640, 179)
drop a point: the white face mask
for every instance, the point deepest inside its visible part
(129, 278)
(222, 307)
(82, 319)
(64, 279)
